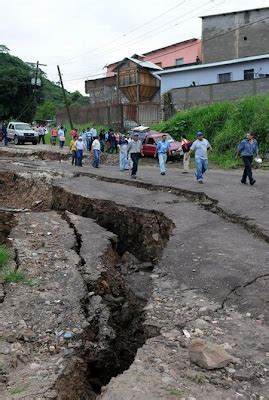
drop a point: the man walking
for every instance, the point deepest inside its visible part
(4, 134)
(123, 154)
(88, 139)
(61, 135)
(80, 146)
(96, 148)
(41, 134)
(186, 145)
(135, 150)
(200, 146)
(247, 149)
(162, 149)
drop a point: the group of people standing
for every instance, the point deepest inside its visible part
(247, 150)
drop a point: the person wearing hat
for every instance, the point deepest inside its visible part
(200, 147)
(80, 146)
(135, 150)
(162, 149)
(247, 149)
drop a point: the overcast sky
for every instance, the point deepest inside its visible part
(84, 35)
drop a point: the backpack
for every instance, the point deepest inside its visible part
(186, 146)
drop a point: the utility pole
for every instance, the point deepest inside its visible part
(65, 99)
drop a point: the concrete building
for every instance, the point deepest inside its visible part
(219, 72)
(235, 35)
(187, 52)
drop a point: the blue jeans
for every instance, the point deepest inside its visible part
(124, 163)
(79, 158)
(201, 166)
(96, 158)
(162, 161)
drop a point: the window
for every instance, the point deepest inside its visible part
(245, 38)
(248, 74)
(151, 141)
(127, 79)
(179, 61)
(226, 77)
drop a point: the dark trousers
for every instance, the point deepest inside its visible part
(74, 157)
(41, 138)
(135, 158)
(247, 170)
(79, 158)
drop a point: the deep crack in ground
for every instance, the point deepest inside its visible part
(135, 229)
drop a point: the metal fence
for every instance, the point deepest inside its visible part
(115, 116)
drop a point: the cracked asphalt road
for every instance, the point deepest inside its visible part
(207, 257)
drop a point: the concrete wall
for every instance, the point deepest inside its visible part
(248, 41)
(204, 76)
(192, 96)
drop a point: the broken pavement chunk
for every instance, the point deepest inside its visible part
(208, 355)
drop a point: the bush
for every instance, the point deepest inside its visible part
(224, 125)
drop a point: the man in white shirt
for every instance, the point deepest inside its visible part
(200, 147)
(135, 149)
(80, 146)
(61, 135)
(93, 132)
(96, 149)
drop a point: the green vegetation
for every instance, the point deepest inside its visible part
(224, 125)
(197, 377)
(4, 256)
(14, 277)
(16, 92)
(5, 273)
(19, 389)
(176, 392)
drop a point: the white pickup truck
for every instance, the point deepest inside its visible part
(21, 132)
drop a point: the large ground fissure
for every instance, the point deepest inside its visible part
(115, 301)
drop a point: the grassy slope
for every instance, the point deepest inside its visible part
(224, 125)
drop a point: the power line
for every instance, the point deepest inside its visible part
(126, 34)
(194, 44)
(221, 34)
(134, 40)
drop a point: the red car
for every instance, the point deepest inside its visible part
(150, 139)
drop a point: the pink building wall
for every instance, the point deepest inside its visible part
(167, 56)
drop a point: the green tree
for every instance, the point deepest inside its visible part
(4, 49)
(16, 92)
(47, 110)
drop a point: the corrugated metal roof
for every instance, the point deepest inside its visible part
(144, 64)
(216, 64)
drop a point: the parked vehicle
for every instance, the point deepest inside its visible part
(20, 132)
(150, 139)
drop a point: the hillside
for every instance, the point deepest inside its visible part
(224, 125)
(16, 92)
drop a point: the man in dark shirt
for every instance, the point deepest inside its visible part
(247, 149)
(4, 133)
